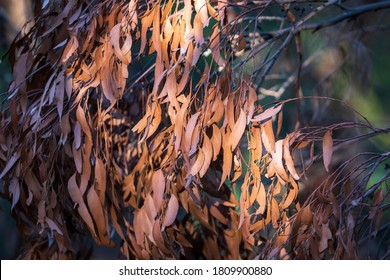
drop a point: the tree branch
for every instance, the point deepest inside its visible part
(352, 13)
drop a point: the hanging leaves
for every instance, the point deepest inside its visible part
(136, 119)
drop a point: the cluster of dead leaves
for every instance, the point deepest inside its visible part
(177, 167)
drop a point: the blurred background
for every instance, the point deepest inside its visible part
(350, 62)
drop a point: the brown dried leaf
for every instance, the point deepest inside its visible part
(77, 135)
(267, 136)
(155, 121)
(80, 115)
(243, 200)
(65, 129)
(280, 123)
(77, 158)
(267, 114)
(156, 32)
(158, 187)
(96, 210)
(158, 238)
(250, 103)
(275, 213)
(179, 127)
(212, 11)
(277, 160)
(291, 195)
(285, 232)
(76, 197)
(216, 141)
(146, 22)
(101, 180)
(14, 190)
(139, 233)
(201, 215)
(230, 107)
(115, 38)
(237, 167)
(378, 221)
(227, 164)
(10, 163)
(327, 149)
(307, 216)
(378, 198)
(150, 208)
(70, 48)
(288, 158)
(237, 131)
(215, 45)
(261, 197)
(189, 131)
(33, 184)
(198, 163)
(86, 174)
(376, 201)
(171, 212)
(140, 126)
(198, 31)
(326, 234)
(172, 92)
(59, 94)
(207, 149)
(53, 226)
(218, 215)
(201, 10)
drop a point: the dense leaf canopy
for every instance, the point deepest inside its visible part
(140, 122)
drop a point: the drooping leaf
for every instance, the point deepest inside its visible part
(288, 159)
(10, 163)
(14, 189)
(198, 163)
(216, 141)
(96, 210)
(70, 48)
(158, 186)
(53, 226)
(76, 197)
(237, 131)
(327, 149)
(291, 195)
(207, 149)
(277, 160)
(267, 114)
(101, 181)
(171, 212)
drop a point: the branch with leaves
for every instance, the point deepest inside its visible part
(142, 119)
